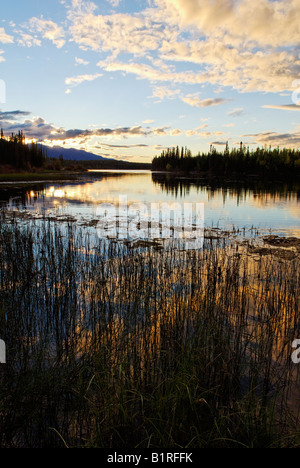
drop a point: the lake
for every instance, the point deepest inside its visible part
(226, 204)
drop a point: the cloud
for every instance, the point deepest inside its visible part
(249, 45)
(289, 107)
(242, 67)
(163, 92)
(119, 132)
(114, 33)
(80, 61)
(39, 129)
(62, 134)
(76, 80)
(152, 74)
(114, 3)
(176, 132)
(28, 40)
(246, 69)
(195, 101)
(47, 29)
(218, 143)
(288, 140)
(123, 146)
(264, 22)
(199, 132)
(12, 115)
(35, 128)
(237, 112)
(5, 38)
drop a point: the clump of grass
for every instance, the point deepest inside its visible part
(113, 346)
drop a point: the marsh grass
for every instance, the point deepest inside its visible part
(113, 346)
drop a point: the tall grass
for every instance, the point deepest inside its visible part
(113, 346)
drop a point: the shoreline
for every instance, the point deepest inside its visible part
(241, 177)
(40, 176)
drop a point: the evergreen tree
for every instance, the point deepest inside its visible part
(16, 153)
(240, 161)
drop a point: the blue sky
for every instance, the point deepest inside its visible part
(126, 79)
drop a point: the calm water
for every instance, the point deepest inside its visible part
(227, 205)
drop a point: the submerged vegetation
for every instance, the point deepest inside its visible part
(111, 345)
(235, 161)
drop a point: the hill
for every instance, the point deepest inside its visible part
(71, 154)
(88, 160)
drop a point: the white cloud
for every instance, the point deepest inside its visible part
(47, 29)
(152, 74)
(176, 132)
(241, 67)
(28, 40)
(80, 61)
(5, 38)
(163, 92)
(199, 132)
(115, 33)
(76, 80)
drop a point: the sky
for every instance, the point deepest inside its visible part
(127, 79)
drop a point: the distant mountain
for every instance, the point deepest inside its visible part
(70, 154)
(91, 160)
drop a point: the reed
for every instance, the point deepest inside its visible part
(114, 346)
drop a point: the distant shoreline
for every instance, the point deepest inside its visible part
(40, 176)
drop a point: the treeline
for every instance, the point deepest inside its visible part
(239, 161)
(15, 153)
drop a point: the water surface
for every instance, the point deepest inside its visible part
(227, 204)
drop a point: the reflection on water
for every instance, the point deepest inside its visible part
(227, 204)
